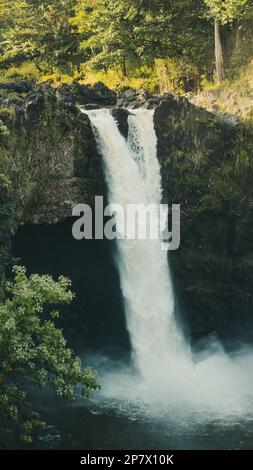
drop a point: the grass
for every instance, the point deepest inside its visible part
(164, 75)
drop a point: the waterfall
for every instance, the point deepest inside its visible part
(167, 374)
(132, 174)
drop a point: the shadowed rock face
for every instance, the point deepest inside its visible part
(54, 164)
(73, 94)
(197, 151)
(121, 116)
(51, 145)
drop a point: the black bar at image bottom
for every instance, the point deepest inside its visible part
(110, 459)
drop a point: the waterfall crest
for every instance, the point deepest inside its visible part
(132, 174)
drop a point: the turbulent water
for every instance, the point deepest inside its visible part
(169, 378)
(133, 177)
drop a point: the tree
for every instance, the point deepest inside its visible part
(17, 33)
(118, 33)
(33, 351)
(127, 36)
(56, 41)
(106, 28)
(38, 31)
(173, 29)
(223, 12)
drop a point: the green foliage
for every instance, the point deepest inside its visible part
(228, 10)
(12, 97)
(118, 33)
(7, 209)
(56, 42)
(39, 31)
(175, 75)
(68, 40)
(106, 29)
(8, 114)
(3, 128)
(16, 33)
(26, 70)
(33, 351)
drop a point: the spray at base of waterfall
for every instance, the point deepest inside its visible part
(214, 385)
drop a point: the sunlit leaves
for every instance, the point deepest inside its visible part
(227, 10)
(33, 351)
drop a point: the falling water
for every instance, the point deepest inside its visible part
(169, 375)
(133, 176)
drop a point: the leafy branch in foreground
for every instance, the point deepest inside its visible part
(33, 351)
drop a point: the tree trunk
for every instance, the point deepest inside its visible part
(123, 67)
(220, 71)
(237, 38)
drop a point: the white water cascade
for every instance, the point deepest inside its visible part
(169, 375)
(133, 176)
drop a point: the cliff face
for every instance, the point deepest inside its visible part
(49, 162)
(50, 150)
(206, 167)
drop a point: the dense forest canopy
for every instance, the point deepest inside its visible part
(134, 42)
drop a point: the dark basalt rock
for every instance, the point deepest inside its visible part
(132, 99)
(91, 106)
(126, 97)
(23, 86)
(34, 99)
(98, 94)
(121, 116)
(152, 103)
(13, 95)
(104, 95)
(35, 102)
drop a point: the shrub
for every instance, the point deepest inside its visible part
(33, 351)
(27, 70)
